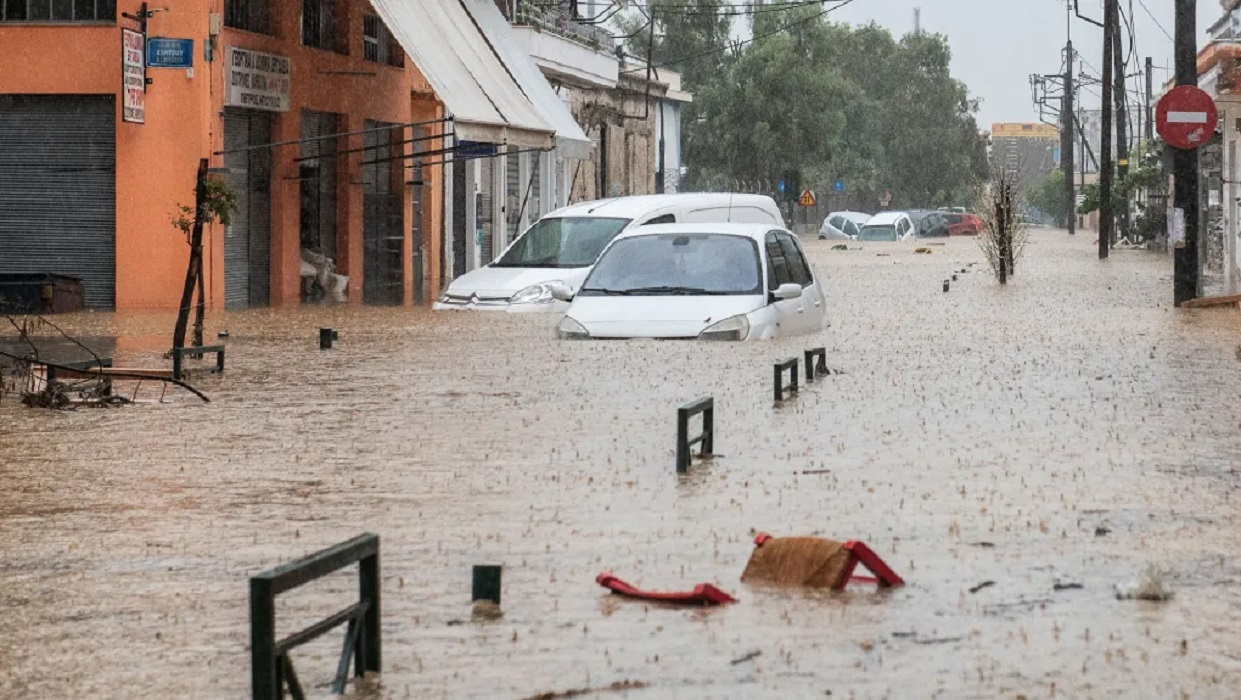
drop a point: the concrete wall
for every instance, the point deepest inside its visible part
(624, 126)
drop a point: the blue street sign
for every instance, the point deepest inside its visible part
(781, 187)
(838, 186)
(170, 53)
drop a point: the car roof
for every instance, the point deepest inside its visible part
(856, 217)
(633, 207)
(755, 231)
(885, 217)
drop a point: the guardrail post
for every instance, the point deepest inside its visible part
(684, 453)
(265, 677)
(779, 386)
(813, 368)
(219, 361)
(325, 338)
(369, 653)
(486, 584)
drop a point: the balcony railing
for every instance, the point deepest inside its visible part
(557, 20)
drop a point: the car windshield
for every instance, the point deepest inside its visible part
(672, 264)
(878, 232)
(573, 241)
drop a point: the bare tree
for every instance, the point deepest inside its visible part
(1004, 235)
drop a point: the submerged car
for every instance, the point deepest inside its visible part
(929, 224)
(888, 226)
(963, 224)
(843, 225)
(562, 247)
(710, 282)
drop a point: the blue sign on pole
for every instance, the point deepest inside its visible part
(838, 186)
(170, 53)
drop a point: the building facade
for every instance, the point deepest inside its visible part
(95, 163)
(375, 148)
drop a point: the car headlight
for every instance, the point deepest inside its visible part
(734, 328)
(571, 330)
(540, 293)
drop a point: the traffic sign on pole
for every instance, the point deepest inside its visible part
(1186, 117)
(806, 199)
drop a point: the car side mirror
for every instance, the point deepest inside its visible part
(562, 292)
(787, 291)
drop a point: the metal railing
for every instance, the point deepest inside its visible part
(559, 21)
(272, 670)
(779, 387)
(813, 368)
(685, 444)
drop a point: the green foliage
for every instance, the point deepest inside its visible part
(1048, 197)
(832, 100)
(219, 204)
(1148, 173)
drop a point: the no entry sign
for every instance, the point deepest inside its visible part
(1186, 117)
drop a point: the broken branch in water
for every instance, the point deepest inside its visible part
(112, 374)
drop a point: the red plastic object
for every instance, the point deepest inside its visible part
(884, 576)
(703, 593)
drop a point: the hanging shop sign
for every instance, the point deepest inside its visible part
(133, 77)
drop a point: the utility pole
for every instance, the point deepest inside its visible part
(1066, 129)
(1185, 163)
(1120, 97)
(1150, 89)
(1105, 128)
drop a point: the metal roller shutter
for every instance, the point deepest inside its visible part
(247, 241)
(58, 189)
(513, 192)
(383, 232)
(486, 225)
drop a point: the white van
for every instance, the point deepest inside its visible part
(563, 246)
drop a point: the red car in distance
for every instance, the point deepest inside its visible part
(963, 224)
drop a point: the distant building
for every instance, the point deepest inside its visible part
(1029, 150)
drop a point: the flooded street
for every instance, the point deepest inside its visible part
(1071, 428)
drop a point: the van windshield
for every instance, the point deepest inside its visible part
(573, 241)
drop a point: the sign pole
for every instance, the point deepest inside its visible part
(1185, 162)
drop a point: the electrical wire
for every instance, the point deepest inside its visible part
(1157, 24)
(751, 40)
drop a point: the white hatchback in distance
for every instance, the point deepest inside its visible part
(563, 246)
(888, 226)
(704, 281)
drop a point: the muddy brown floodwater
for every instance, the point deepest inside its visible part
(1071, 428)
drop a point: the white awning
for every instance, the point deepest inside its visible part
(467, 74)
(571, 141)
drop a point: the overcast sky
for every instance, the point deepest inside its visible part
(997, 44)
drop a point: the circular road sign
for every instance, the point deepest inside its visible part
(1186, 117)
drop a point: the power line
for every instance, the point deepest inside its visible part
(1157, 24)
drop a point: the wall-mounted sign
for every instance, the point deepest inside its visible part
(257, 80)
(170, 53)
(133, 77)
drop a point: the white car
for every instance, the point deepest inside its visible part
(888, 226)
(561, 247)
(843, 225)
(710, 282)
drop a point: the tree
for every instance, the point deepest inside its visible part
(832, 101)
(1048, 197)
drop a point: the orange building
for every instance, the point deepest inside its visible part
(307, 109)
